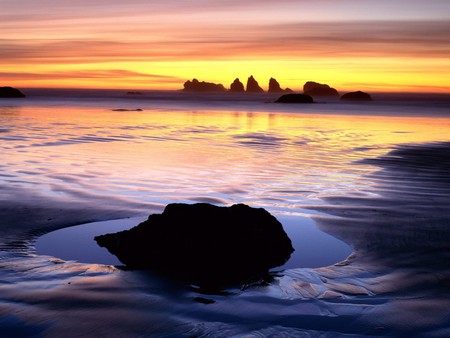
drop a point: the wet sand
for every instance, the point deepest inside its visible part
(394, 284)
(392, 208)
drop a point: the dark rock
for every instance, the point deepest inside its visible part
(274, 86)
(356, 96)
(295, 98)
(134, 93)
(204, 244)
(253, 86)
(318, 89)
(237, 86)
(122, 109)
(197, 86)
(9, 92)
(203, 300)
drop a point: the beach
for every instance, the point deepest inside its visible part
(374, 175)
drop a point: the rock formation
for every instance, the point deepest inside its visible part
(295, 98)
(356, 96)
(122, 109)
(253, 86)
(318, 89)
(237, 86)
(204, 244)
(197, 86)
(274, 86)
(9, 92)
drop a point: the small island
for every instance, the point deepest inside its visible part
(319, 89)
(10, 92)
(197, 86)
(356, 96)
(295, 98)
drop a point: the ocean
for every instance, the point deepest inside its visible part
(362, 189)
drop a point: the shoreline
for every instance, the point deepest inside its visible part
(386, 104)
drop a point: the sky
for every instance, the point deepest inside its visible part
(383, 45)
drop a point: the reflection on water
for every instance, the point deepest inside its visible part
(279, 161)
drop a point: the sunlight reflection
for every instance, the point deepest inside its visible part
(162, 156)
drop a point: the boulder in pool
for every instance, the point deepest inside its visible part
(204, 244)
(10, 92)
(356, 96)
(295, 98)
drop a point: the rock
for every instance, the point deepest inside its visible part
(274, 86)
(253, 86)
(134, 93)
(204, 244)
(318, 89)
(237, 86)
(197, 86)
(9, 92)
(122, 109)
(356, 96)
(295, 98)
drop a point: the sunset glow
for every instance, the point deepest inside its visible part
(378, 46)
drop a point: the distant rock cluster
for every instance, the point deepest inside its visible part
(236, 87)
(9, 92)
(311, 89)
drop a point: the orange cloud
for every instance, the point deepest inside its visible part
(340, 42)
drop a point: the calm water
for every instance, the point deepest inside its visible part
(313, 248)
(72, 160)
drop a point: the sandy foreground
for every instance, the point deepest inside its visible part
(396, 283)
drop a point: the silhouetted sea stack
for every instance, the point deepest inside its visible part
(253, 86)
(197, 86)
(318, 89)
(204, 244)
(274, 86)
(10, 92)
(237, 86)
(295, 98)
(356, 96)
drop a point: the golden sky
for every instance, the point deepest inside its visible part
(383, 45)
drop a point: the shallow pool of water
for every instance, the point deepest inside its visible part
(313, 248)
